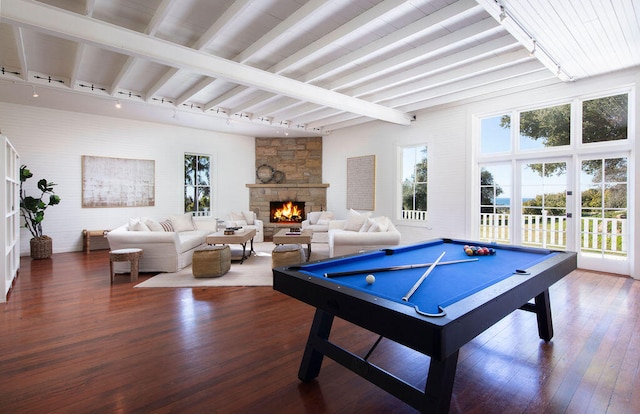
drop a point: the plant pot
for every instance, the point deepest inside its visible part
(41, 247)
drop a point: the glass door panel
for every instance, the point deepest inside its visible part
(543, 203)
(604, 229)
(496, 191)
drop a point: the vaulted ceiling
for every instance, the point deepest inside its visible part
(300, 67)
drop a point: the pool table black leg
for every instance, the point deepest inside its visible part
(312, 359)
(543, 313)
(439, 386)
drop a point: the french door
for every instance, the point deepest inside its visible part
(577, 204)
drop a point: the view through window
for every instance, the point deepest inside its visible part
(197, 184)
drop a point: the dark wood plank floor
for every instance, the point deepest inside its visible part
(72, 343)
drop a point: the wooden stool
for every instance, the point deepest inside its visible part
(211, 261)
(126, 255)
(287, 254)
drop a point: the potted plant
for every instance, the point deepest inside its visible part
(32, 210)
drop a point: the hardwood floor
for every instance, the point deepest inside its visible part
(73, 343)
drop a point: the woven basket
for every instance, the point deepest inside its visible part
(41, 247)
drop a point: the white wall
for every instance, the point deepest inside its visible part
(448, 134)
(51, 143)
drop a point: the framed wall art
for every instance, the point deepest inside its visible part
(117, 182)
(361, 182)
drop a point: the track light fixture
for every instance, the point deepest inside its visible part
(516, 28)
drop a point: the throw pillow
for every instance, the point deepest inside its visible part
(182, 222)
(248, 217)
(152, 224)
(166, 225)
(236, 216)
(137, 225)
(314, 216)
(380, 224)
(322, 222)
(355, 220)
(326, 215)
(367, 225)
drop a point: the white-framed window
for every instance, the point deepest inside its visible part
(556, 176)
(415, 173)
(197, 184)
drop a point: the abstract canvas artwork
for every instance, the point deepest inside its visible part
(117, 182)
(361, 182)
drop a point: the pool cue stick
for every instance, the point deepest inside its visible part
(392, 268)
(424, 276)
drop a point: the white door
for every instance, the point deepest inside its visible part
(604, 226)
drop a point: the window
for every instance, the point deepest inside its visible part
(197, 184)
(414, 183)
(545, 127)
(605, 119)
(495, 134)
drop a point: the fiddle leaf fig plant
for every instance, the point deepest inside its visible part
(32, 208)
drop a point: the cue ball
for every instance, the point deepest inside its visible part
(371, 279)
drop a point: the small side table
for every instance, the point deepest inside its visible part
(86, 238)
(126, 255)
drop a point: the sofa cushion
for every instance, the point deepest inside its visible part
(191, 239)
(182, 222)
(248, 217)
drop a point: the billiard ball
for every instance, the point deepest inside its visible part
(370, 279)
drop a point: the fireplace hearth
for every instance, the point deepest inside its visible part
(286, 212)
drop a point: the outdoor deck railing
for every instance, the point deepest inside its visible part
(608, 235)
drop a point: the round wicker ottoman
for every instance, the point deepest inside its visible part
(211, 261)
(287, 254)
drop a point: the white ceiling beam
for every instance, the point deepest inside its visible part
(406, 34)
(403, 35)
(18, 35)
(347, 29)
(83, 29)
(158, 17)
(415, 55)
(483, 50)
(193, 91)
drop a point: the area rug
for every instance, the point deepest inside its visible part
(254, 271)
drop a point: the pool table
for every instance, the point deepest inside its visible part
(460, 297)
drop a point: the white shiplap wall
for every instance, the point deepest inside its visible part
(52, 143)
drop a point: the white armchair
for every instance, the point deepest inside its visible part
(248, 220)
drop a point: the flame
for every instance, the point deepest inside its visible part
(287, 212)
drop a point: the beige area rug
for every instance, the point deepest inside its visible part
(254, 271)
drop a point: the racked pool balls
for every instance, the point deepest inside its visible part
(479, 251)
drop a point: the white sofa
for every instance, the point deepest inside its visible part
(318, 223)
(348, 237)
(247, 220)
(167, 245)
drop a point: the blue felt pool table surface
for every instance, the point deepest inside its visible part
(445, 285)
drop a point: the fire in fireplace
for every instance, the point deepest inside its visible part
(286, 211)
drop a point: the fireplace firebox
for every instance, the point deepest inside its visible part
(286, 211)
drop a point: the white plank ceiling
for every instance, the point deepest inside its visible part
(300, 67)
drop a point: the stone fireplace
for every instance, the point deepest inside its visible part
(287, 170)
